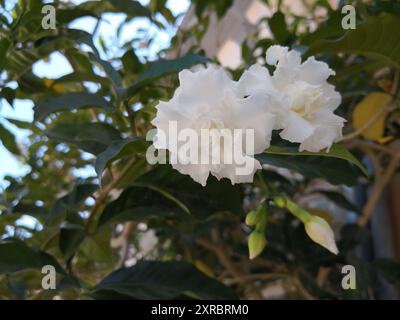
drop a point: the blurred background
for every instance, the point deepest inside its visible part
(233, 33)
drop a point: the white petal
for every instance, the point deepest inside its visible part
(197, 172)
(296, 129)
(315, 72)
(254, 113)
(254, 79)
(320, 232)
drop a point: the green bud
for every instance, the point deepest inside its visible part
(256, 243)
(255, 215)
(280, 202)
(262, 223)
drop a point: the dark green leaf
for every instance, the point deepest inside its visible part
(16, 256)
(70, 101)
(278, 27)
(336, 151)
(71, 201)
(4, 45)
(117, 150)
(163, 68)
(93, 137)
(129, 7)
(374, 38)
(20, 61)
(161, 280)
(313, 165)
(8, 140)
(71, 236)
(165, 192)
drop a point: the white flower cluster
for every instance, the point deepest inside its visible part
(296, 99)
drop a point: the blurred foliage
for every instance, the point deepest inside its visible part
(96, 117)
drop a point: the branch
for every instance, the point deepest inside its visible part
(101, 199)
(378, 187)
(386, 109)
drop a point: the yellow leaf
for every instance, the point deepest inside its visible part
(204, 268)
(386, 139)
(322, 214)
(368, 108)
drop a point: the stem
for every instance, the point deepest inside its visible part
(101, 199)
(377, 190)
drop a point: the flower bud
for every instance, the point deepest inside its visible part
(255, 215)
(320, 232)
(256, 243)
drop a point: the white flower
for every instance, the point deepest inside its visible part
(307, 100)
(320, 232)
(208, 99)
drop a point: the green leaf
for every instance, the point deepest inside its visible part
(336, 151)
(8, 94)
(108, 69)
(97, 247)
(119, 149)
(161, 280)
(163, 68)
(129, 7)
(278, 27)
(164, 192)
(16, 256)
(71, 236)
(93, 137)
(328, 30)
(21, 60)
(374, 38)
(70, 101)
(8, 141)
(4, 45)
(71, 201)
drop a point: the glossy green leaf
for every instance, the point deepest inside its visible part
(336, 151)
(16, 256)
(163, 68)
(278, 27)
(70, 101)
(93, 137)
(119, 149)
(8, 140)
(130, 7)
(71, 236)
(374, 38)
(164, 192)
(71, 201)
(161, 280)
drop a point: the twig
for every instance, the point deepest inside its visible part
(101, 199)
(225, 260)
(377, 190)
(386, 109)
(301, 289)
(124, 240)
(256, 277)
